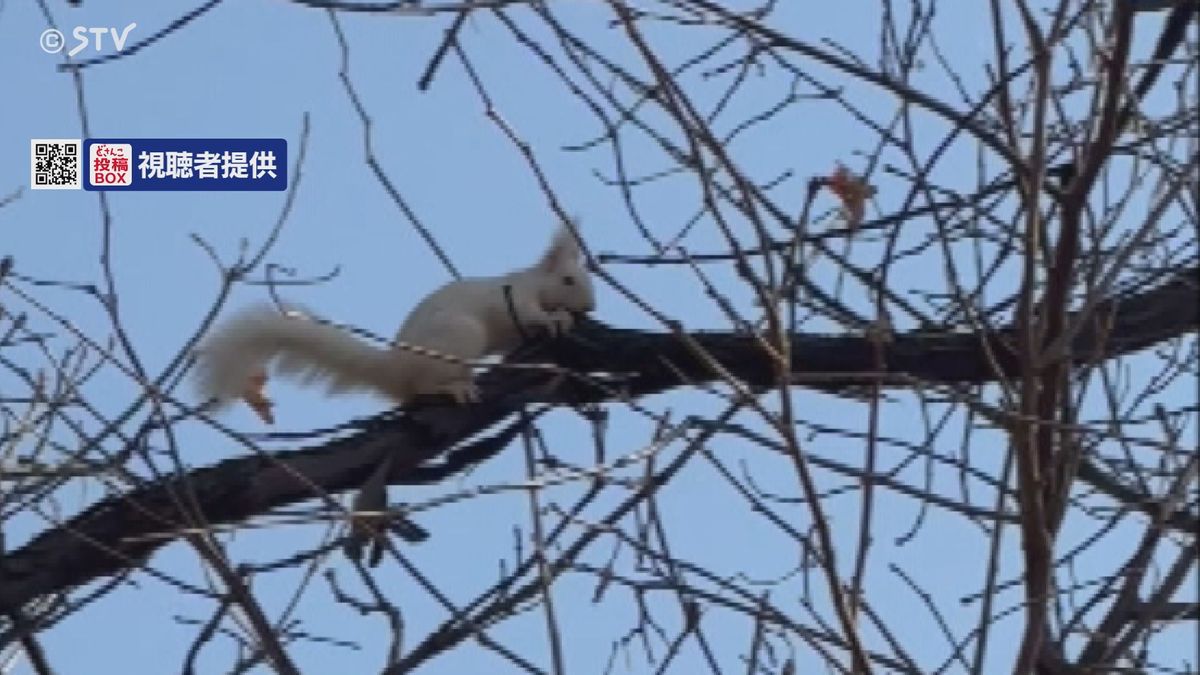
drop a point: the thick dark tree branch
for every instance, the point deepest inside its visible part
(121, 532)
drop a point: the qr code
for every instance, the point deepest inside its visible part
(54, 164)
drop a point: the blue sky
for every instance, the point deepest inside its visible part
(255, 69)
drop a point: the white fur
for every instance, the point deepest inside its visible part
(466, 320)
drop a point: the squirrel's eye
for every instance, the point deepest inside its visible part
(568, 281)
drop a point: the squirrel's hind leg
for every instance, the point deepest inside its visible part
(466, 340)
(463, 392)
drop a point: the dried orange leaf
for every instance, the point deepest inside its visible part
(853, 192)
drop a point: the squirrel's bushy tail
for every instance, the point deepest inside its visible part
(310, 351)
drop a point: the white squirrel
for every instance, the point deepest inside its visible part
(465, 320)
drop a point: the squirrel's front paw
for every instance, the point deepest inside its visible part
(557, 322)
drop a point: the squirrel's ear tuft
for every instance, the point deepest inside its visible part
(563, 250)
